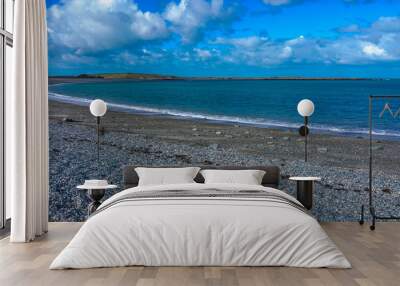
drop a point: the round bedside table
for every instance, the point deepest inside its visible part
(305, 187)
(95, 194)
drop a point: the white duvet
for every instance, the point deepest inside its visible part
(200, 231)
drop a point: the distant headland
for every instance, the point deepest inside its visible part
(145, 76)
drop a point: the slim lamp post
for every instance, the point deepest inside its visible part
(98, 108)
(305, 108)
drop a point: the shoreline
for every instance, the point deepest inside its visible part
(226, 120)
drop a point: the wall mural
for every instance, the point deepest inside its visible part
(207, 82)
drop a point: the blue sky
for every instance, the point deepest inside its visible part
(351, 38)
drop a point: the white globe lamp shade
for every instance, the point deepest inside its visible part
(98, 107)
(305, 107)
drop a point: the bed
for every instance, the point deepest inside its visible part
(199, 224)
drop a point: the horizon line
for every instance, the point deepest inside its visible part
(103, 75)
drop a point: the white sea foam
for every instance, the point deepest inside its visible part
(259, 122)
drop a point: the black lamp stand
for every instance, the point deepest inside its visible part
(304, 132)
(305, 138)
(98, 143)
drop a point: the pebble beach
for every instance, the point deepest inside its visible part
(155, 140)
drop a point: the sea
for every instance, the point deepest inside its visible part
(341, 106)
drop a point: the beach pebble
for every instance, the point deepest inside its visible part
(322, 150)
(183, 157)
(214, 146)
(377, 148)
(66, 119)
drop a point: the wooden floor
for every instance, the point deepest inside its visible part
(375, 257)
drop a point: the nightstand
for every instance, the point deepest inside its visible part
(95, 191)
(305, 187)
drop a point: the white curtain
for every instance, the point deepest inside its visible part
(27, 124)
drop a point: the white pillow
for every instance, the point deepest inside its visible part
(165, 176)
(248, 177)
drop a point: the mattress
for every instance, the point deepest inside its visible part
(201, 225)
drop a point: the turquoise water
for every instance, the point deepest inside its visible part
(340, 106)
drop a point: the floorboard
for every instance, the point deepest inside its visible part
(375, 256)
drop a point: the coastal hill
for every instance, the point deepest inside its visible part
(144, 76)
(127, 76)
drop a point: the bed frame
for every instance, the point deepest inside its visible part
(271, 178)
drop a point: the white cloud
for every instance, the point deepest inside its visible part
(189, 17)
(373, 50)
(202, 54)
(99, 25)
(254, 50)
(105, 3)
(386, 24)
(286, 52)
(379, 42)
(138, 57)
(90, 32)
(250, 42)
(126, 58)
(277, 3)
